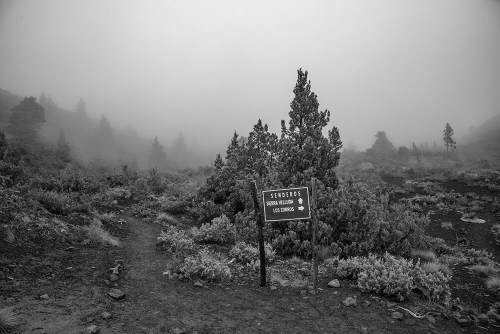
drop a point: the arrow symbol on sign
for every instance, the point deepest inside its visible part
(301, 208)
(300, 200)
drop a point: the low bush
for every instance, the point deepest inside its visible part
(493, 284)
(96, 233)
(205, 264)
(246, 253)
(391, 276)
(219, 231)
(176, 240)
(54, 202)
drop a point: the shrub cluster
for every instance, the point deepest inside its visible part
(204, 264)
(391, 276)
(246, 253)
(176, 240)
(219, 231)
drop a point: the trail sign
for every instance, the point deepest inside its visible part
(286, 204)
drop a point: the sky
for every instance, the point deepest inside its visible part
(209, 68)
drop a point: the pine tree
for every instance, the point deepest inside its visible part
(382, 146)
(448, 140)
(157, 156)
(304, 151)
(27, 117)
(42, 100)
(81, 109)
(104, 133)
(63, 149)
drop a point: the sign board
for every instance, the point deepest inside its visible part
(286, 204)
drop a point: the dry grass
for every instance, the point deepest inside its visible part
(434, 267)
(493, 284)
(96, 233)
(166, 219)
(423, 255)
(483, 270)
(8, 320)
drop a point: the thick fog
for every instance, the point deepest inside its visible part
(208, 68)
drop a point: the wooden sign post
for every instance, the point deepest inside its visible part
(314, 248)
(260, 223)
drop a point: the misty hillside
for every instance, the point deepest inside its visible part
(483, 140)
(95, 142)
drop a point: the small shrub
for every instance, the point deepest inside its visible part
(434, 267)
(176, 240)
(483, 270)
(245, 253)
(96, 233)
(391, 276)
(423, 255)
(205, 265)
(220, 231)
(493, 284)
(8, 320)
(54, 202)
(166, 219)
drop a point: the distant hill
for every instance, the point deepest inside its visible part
(7, 102)
(483, 140)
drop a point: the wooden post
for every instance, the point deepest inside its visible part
(260, 223)
(314, 207)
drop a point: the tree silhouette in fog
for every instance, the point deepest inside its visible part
(27, 118)
(81, 109)
(157, 156)
(63, 149)
(448, 140)
(382, 146)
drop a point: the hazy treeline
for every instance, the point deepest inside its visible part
(95, 142)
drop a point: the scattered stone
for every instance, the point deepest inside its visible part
(274, 287)
(44, 296)
(493, 315)
(382, 302)
(116, 294)
(397, 315)
(365, 303)
(334, 283)
(483, 318)
(106, 315)
(177, 330)
(198, 284)
(391, 305)
(430, 318)
(464, 322)
(92, 329)
(71, 249)
(113, 277)
(349, 301)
